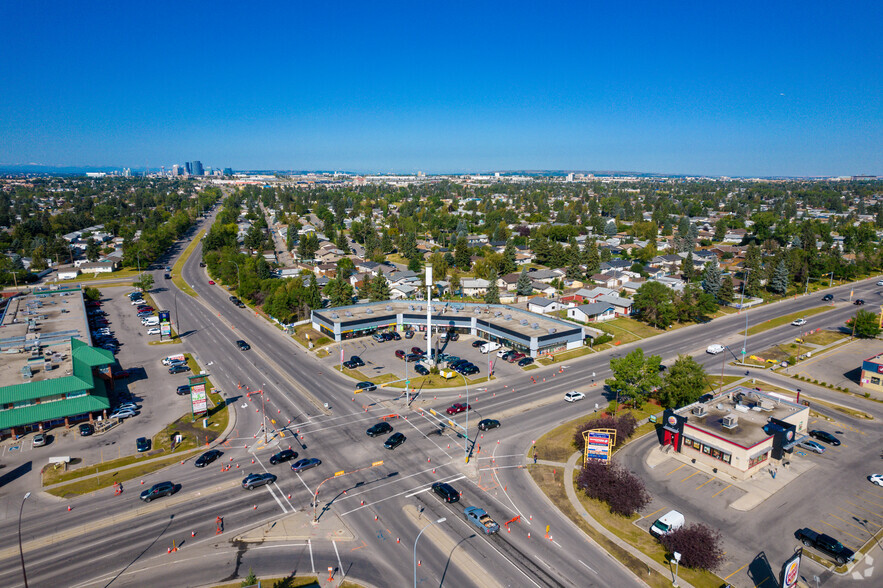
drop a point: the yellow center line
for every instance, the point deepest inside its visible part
(691, 475)
(719, 491)
(860, 540)
(676, 469)
(704, 483)
(736, 572)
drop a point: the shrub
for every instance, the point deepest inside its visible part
(605, 338)
(698, 544)
(623, 492)
(624, 425)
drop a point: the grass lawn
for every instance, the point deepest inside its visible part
(179, 265)
(92, 484)
(825, 337)
(784, 320)
(119, 275)
(290, 582)
(767, 387)
(624, 324)
(303, 334)
(565, 356)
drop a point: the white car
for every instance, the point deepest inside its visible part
(502, 352)
(153, 331)
(799, 322)
(715, 349)
(876, 479)
(880, 283)
(139, 301)
(121, 414)
(128, 406)
(574, 396)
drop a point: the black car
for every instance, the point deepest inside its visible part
(253, 480)
(233, 299)
(394, 440)
(243, 346)
(421, 369)
(379, 429)
(157, 491)
(167, 276)
(183, 390)
(177, 369)
(395, 336)
(201, 264)
(488, 424)
(859, 302)
(827, 298)
(388, 336)
(142, 444)
(825, 436)
(446, 491)
(366, 386)
(453, 336)
(305, 464)
(284, 455)
(409, 334)
(86, 429)
(207, 458)
(412, 357)
(524, 361)
(356, 361)
(478, 343)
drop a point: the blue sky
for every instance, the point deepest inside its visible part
(723, 88)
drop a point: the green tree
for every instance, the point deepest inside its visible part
(864, 324)
(712, 278)
(262, 268)
(591, 259)
(683, 384)
(653, 303)
(253, 237)
(753, 267)
(415, 264)
(726, 292)
(507, 266)
(492, 296)
(93, 250)
(408, 245)
(339, 292)
(462, 258)
(314, 293)
(779, 281)
(378, 288)
(524, 287)
(91, 293)
(345, 267)
(634, 376)
(250, 579)
(688, 270)
(144, 282)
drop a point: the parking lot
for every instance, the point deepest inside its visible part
(380, 358)
(829, 493)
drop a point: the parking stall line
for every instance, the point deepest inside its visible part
(736, 572)
(870, 512)
(859, 527)
(719, 491)
(859, 539)
(691, 475)
(862, 498)
(676, 469)
(647, 516)
(704, 483)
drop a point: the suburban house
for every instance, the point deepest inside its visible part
(621, 306)
(588, 313)
(474, 286)
(509, 282)
(542, 305)
(98, 267)
(68, 273)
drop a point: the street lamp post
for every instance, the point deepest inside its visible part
(439, 521)
(21, 552)
(676, 561)
(741, 304)
(466, 445)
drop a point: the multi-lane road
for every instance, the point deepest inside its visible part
(366, 532)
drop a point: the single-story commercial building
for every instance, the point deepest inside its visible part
(513, 327)
(872, 373)
(737, 432)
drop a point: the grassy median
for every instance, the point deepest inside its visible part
(177, 280)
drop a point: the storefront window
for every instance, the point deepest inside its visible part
(711, 451)
(756, 460)
(875, 381)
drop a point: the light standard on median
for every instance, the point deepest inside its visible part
(20, 550)
(441, 520)
(676, 561)
(741, 304)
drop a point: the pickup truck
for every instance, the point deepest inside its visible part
(481, 519)
(825, 544)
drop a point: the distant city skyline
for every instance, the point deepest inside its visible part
(746, 90)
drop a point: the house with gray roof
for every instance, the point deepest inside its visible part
(588, 313)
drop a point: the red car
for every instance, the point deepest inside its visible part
(457, 408)
(417, 350)
(211, 282)
(120, 375)
(515, 357)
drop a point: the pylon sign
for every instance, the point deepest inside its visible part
(599, 444)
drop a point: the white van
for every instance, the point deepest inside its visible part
(150, 321)
(670, 521)
(490, 346)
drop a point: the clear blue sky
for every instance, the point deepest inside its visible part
(725, 88)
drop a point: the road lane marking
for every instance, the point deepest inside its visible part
(339, 563)
(719, 491)
(310, 492)
(366, 505)
(276, 498)
(430, 487)
(736, 572)
(587, 566)
(312, 565)
(500, 485)
(676, 469)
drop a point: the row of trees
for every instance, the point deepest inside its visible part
(637, 378)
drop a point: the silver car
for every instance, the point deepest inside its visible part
(810, 445)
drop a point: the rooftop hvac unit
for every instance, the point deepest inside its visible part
(334, 315)
(523, 321)
(742, 408)
(508, 317)
(553, 331)
(497, 313)
(730, 421)
(388, 307)
(536, 325)
(699, 411)
(767, 405)
(410, 307)
(420, 308)
(369, 311)
(347, 313)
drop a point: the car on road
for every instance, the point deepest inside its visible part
(446, 491)
(157, 491)
(421, 369)
(179, 368)
(40, 440)
(129, 406)
(86, 429)
(394, 440)
(859, 302)
(880, 283)
(379, 429)
(481, 519)
(824, 436)
(153, 331)
(305, 464)
(252, 481)
(799, 322)
(715, 349)
(243, 346)
(827, 298)
(366, 386)
(478, 343)
(488, 424)
(457, 408)
(183, 390)
(207, 458)
(282, 456)
(142, 444)
(167, 276)
(211, 282)
(574, 396)
(525, 361)
(876, 479)
(201, 264)
(811, 446)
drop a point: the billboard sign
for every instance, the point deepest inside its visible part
(198, 400)
(599, 444)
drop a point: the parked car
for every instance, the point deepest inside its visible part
(142, 444)
(157, 491)
(395, 336)
(409, 334)
(799, 322)
(670, 521)
(488, 424)
(356, 361)
(574, 396)
(378, 337)
(243, 346)
(417, 351)
(129, 406)
(458, 408)
(400, 353)
(394, 440)
(211, 282)
(421, 369)
(478, 343)
(284, 455)
(178, 369)
(446, 491)
(380, 428)
(412, 357)
(525, 361)
(880, 283)
(207, 458)
(826, 544)
(827, 298)
(121, 414)
(183, 390)
(811, 446)
(825, 436)
(153, 331)
(86, 429)
(40, 439)
(137, 302)
(252, 481)
(366, 386)
(876, 479)
(305, 464)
